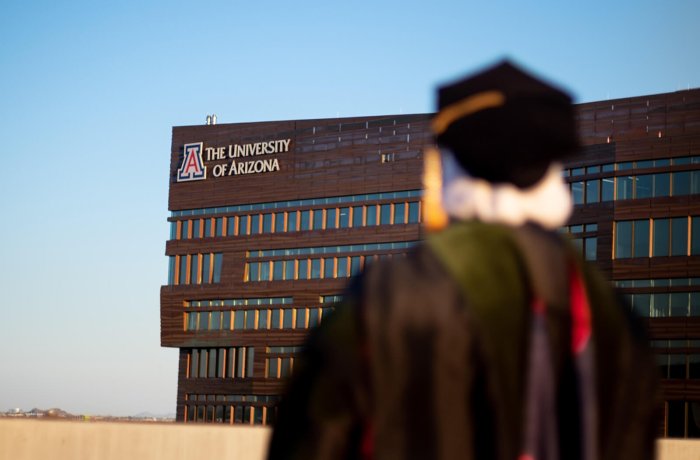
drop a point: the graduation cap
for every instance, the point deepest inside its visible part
(505, 125)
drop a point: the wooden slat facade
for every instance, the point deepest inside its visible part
(339, 157)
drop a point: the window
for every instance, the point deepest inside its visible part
(679, 236)
(255, 224)
(231, 226)
(400, 213)
(318, 219)
(593, 191)
(357, 216)
(632, 239)
(243, 225)
(371, 215)
(624, 187)
(267, 223)
(219, 228)
(279, 222)
(196, 232)
(207, 228)
(184, 229)
(292, 221)
(218, 262)
(385, 214)
(413, 212)
(344, 218)
(330, 218)
(608, 189)
(305, 220)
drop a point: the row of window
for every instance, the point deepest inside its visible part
(195, 269)
(678, 236)
(636, 187)
(258, 319)
(657, 282)
(230, 409)
(230, 362)
(665, 305)
(294, 221)
(588, 247)
(210, 303)
(682, 419)
(279, 367)
(369, 247)
(579, 228)
(679, 366)
(308, 269)
(309, 202)
(627, 165)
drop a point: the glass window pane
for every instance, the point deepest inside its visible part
(207, 228)
(371, 215)
(330, 217)
(315, 268)
(275, 319)
(215, 323)
(287, 319)
(171, 270)
(305, 220)
(243, 225)
(681, 183)
(279, 222)
(344, 218)
(194, 269)
(303, 270)
(593, 191)
(292, 221)
(267, 223)
(624, 188)
(661, 237)
(354, 265)
(254, 271)
(328, 267)
(357, 216)
(623, 239)
(577, 192)
(250, 360)
(660, 305)
(219, 226)
(184, 229)
(679, 304)
(173, 230)
(593, 169)
(644, 185)
(608, 189)
(591, 248)
(230, 226)
(413, 212)
(255, 224)
(679, 236)
(641, 238)
(289, 269)
(277, 270)
(301, 318)
(250, 319)
(400, 213)
(239, 320)
(318, 219)
(385, 214)
(313, 317)
(264, 271)
(203, 363)
(226, 321)
(641, 304)
(342, 267)
(195, 229)
(695, 236)
(218, 262)
(695, 182)
(183, 270)
(194, 363)
(192, 321)
(662, 184)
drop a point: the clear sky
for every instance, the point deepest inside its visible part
(89, 92)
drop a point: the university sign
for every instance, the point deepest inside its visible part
(231, 160)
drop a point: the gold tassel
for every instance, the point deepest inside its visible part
(434, 216)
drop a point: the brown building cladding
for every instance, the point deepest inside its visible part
(265, 240)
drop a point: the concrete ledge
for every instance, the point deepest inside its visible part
(65, 440)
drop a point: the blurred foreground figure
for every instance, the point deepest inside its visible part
(492, 339)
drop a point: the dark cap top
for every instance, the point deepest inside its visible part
(504, 125)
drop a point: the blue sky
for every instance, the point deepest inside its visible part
(89, 92)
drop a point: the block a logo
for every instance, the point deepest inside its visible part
(192, 167)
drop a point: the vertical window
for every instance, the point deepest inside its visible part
(371, 215)
(289, 269)
(173, 230)
(230, 362)
(264, 271)
(593, 191)
(207, 228)
(277, 270)
(194, 269)
(679, 236)
(354, 265)
(273, 368)
(577, 192)
(623, 239)
(212, 363)
(231, 226)
(206, 268)
(357, 216)
(219, 226)
(328, 268)
(215, 322)
(250, 319)
(661, 238)
(171, 270)
(624, 187)
(250, 360)
(644, 186)
(681, 183)
(342, 268)
(242, 225)
(275, 319)
(279, 222)
(203, 324)
(315, 268)
(292, 221)
(194, 363)
(287, 318)
(695, 236)
(695, 182)
(301, 318)
(330, 218)
(184, 229)
(202, 363)
(303, 272)
(218, 262)
(590, 248)
(254, 271)
(262, 319)
(662, 184)
(255, 224)
(608, 189)
(344, 218)
(318, 219)
(641, 238)
(183, 270)
(679, 304)
(400, 213)
(313, 317)
(305, 216)
(226, 321)
(385, 214)
(267, 223)
(413, 212)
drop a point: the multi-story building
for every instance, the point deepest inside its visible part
(269, 220)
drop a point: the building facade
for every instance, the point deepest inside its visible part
(269, 220)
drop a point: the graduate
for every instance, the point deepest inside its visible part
(492, 339)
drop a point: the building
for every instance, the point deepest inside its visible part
(269, 220)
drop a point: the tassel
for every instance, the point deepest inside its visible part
(434, 216)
